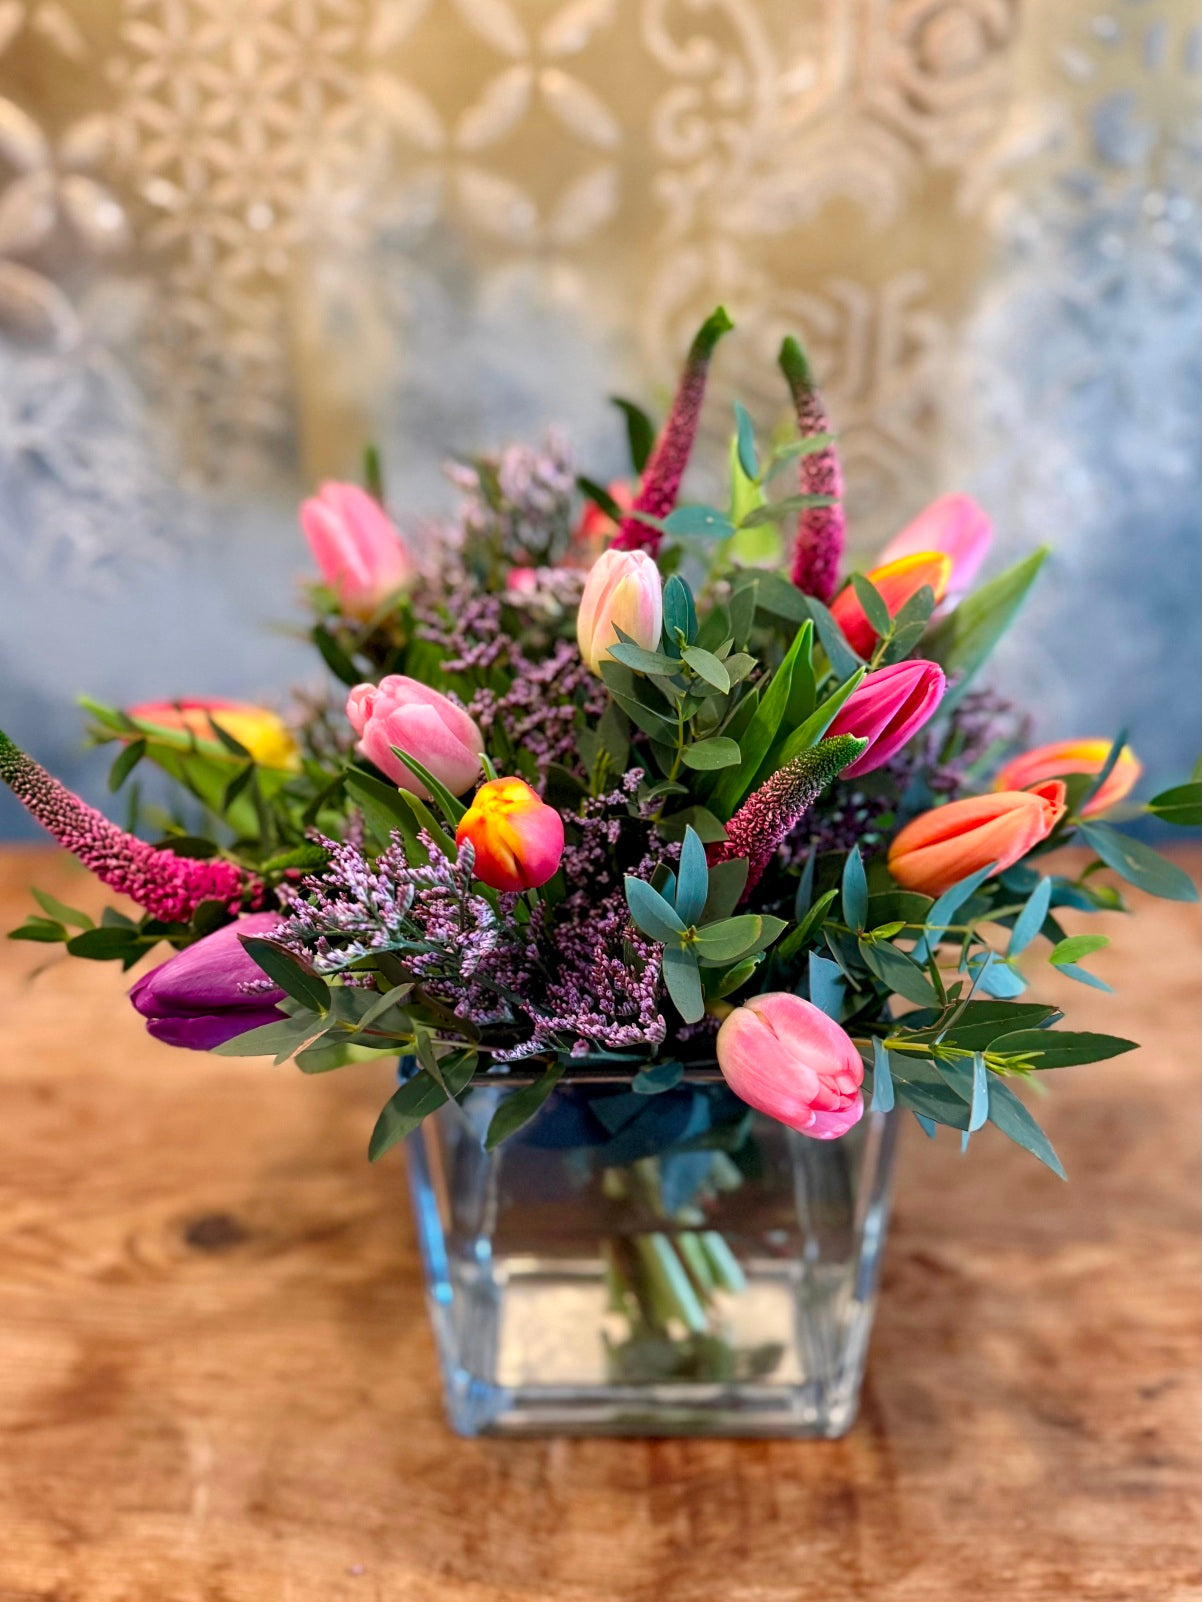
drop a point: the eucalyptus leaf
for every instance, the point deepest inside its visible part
(657, 918)
(882, 1079)
(708, 667)
(854, 890)
(692, 879)
(1138, 863)
(698, 522)
(683, 983)
(1181, 805)
(640, 432)
(745, 436)
(288, 971)
(712, 754)
(404, 1111)
(1030, 920)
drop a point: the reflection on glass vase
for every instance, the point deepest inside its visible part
(649, 1265)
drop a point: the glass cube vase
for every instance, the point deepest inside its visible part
(649, 1265)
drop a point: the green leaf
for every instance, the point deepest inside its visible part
(105, 945)
(746, 441)
(842, 658)
(692, 879)
(680, 615)
(871, 600)
(727, 881)
(716, 752)
(761, 732)
(854, 890)
(900, 972)
(826, 985)
(1070, 970)
(978, 1109)
(718, 985)
(640, 432)
(1138, 863)
(732, 938)
(683, 983)
(127, 761)
(334, 657)
(288, 972)
(404, 1111)
(46, 931)
(816, 725)
(60, 910)
(1061, 1048)
(659, 1077)
(946, 907)
(774, 593)
(450, 806)
(1078, 804)
(1076, 947)
(962, 642)
(698, 523)
(791, 449)
(600, 496)
(809, 925)
(656, 917)
(700, 818)
(639, 660)
(380, 804)
(777, 511)
(270, 1040)
(882, 1079)
(708, 667)
(518, 1107)
(1009, 1115)
(1030, 920)
(1181, 805)
(373, 472)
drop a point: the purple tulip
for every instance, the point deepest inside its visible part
(195, 999)
(887, 709)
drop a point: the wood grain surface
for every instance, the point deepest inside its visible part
(217, 1383)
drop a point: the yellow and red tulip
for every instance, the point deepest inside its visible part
(264, 733)
(939, 848)
(518, 838)
(895, 582)
(1074, 756)
(955, 525)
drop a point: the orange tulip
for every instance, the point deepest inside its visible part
(264, 734)
(945, 845)
(895, 582)
(1074, 756)
(517, 837)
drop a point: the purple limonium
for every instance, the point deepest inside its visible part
(210, 991)
(663, 473)
(820, 529)
(167, 886)
(769, 814)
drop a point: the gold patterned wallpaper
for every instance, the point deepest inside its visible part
(224, 225)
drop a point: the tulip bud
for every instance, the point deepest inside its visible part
(196, 998)
(945, 845)
(895, 583)
(431, 728)
(518, 839)
(264, 734)
(622, 591)
(361, 555)
(786, 1058)
(1074, 756)
(887, 709)
(955, 525)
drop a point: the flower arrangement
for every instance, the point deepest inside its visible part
(632, 786)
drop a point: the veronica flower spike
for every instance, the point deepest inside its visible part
(167, 886)
(820, 529)
(663, 473)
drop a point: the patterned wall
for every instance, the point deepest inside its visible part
(237, 237)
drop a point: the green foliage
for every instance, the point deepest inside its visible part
(1181, 805)
(962, 642)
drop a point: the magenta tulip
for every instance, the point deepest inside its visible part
(786, 1058)
(361, 555)
(887, 709)
(401, 712)
(954, 525)
(210, 991)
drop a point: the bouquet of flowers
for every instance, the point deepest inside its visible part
(623, 789)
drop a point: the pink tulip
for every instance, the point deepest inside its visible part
(622, 591)
(361, 555)
(887, 709)
(955, 525)
(786, 1058)
(399, 711)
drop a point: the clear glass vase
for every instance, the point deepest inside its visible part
(634, 1265)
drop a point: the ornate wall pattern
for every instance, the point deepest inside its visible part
(239, 236)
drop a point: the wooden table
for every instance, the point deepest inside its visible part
(217, 1383)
